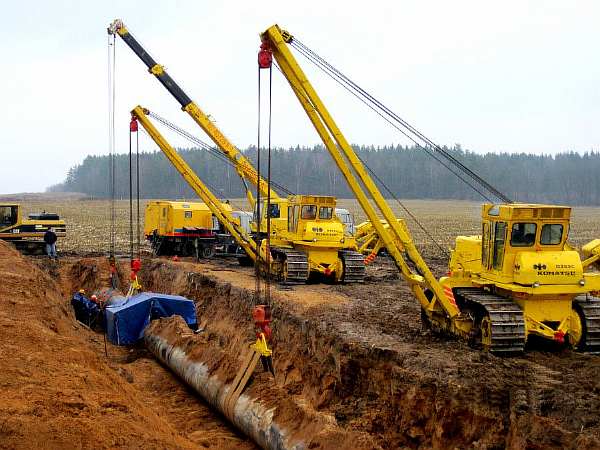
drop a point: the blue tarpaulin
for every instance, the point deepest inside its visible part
(127, 319)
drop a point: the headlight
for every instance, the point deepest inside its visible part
(536, 284)
(342, 240)
(582, 282)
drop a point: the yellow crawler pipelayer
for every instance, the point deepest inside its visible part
(306, 235)
(519, 279)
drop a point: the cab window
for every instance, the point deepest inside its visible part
(274, 211)
(309, 212)
(8, 215)
(523, 234)
(293, 218)
(290, 218)
(325, 212)
(499, 240)
(485, 236)
(551, 234)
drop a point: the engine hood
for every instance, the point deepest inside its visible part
(546, 268)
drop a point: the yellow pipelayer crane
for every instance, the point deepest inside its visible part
(306, 236)
(517, 280)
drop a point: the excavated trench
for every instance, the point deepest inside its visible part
(362, 373)
(353, 369)
(60, 389)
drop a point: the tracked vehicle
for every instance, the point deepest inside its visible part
(307, 237)
(27, 233)
(517, 280)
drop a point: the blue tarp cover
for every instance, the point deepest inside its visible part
(126, 320)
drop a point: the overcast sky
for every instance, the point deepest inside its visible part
(515, 76)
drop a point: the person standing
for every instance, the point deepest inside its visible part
(50, 240)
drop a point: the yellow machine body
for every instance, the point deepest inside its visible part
(173, 218)
(27, 233)
(182, 228)
(518, 279)
(523, 255)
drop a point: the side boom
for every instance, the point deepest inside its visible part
(224, 216)
(353, 171)
(243, 166)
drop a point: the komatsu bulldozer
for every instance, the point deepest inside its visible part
(27, 234)
(521, 278)
(517, 280)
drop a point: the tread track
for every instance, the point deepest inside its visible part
(354, 266)
(297, 264)
(507, 321)
(589, 308)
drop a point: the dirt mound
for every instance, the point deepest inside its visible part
(58, 389)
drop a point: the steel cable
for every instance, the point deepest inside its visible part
(339, 77)
(387, 189)
(210, 149)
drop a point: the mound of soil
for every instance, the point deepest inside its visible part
(59, 390)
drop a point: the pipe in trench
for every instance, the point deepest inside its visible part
(251, 417)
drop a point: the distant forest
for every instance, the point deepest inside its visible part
(567, 178)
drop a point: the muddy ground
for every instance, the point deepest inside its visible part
(360, 353)
(357, 354)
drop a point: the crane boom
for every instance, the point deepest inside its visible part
(243, 166)
(353, 170)
(224, 216)
(300, 243)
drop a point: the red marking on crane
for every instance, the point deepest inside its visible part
(450, 295)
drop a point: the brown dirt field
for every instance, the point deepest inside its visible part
(59, 390)
(88, 221)
(360, 354)
(357, 354)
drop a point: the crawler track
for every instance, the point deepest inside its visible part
(506, 322)
(354, 266)
(295, 263)
(589, 309)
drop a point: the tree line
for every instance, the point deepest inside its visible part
(408, 172)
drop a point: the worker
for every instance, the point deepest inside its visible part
(50, 240)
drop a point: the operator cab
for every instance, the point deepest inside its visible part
(313, 218)
(9, 215)
(525, 244)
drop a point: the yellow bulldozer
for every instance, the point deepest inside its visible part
(307, 236)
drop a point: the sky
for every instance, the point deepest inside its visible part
(510, 76)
